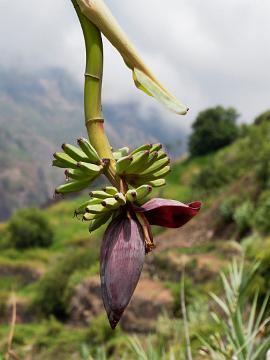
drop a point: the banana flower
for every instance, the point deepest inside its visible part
(123, 248)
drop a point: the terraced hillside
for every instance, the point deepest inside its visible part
(60, 313)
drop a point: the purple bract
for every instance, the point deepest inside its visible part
(125, 242)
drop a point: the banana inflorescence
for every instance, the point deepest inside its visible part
(148, 164)
(83, 166)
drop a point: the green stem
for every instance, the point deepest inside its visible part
(94, 121)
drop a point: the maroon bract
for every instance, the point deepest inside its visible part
(122, 258)
(169, 213)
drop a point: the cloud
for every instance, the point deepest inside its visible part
(206, 52)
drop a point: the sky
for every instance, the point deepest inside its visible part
(206, 52)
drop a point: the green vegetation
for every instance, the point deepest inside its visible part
(265, 116)
(50, 291)
(213, 129)
(261, 218)
(29, 228)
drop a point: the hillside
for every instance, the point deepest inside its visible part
(61, 283)
(40, 111)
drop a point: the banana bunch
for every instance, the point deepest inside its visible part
(82, 165)
(103, 204)
(148, 164)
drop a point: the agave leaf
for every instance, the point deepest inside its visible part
(152, 88)
(122, 258)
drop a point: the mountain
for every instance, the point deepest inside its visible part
(40, 111)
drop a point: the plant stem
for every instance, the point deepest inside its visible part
(94, 120)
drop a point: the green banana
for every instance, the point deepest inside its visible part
(131, 195)
(111, 190)
(156, 147)
(87, 216)
(161, 173)
(151, 182)
(74, 152)
(120, 153)
(96, 209)
(158, 165)
(161, 155)
(94, 201)
(117, 155)
(138, 162)
(123, 163)
(124, 150)
(151, 159)
(89, 169)
(59, 164)
(82, 208)
(99, 194)
(143, 191)
(65, 160)
(157, 183)
(99, 221)
(120, 198)
(110, 203)
(76, 174)
(89, 150)
(72, 186)
(142, 148)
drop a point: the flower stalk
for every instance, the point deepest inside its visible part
(94, 120)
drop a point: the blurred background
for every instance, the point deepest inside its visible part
(214, 56)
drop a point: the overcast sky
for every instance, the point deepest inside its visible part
(206, 52)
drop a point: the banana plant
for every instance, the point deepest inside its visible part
(125, 203)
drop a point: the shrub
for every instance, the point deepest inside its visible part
(262, 218)
(265, 116)
(50, 297)
(30, 228)
(243, 216)
(211, 178)
(213, 129)
(227, 208)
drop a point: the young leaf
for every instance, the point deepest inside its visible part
(152, 88)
